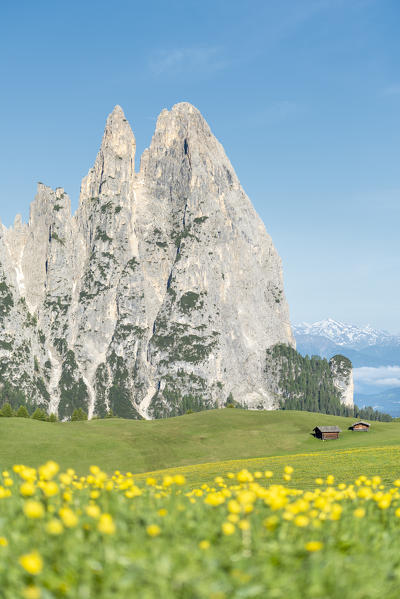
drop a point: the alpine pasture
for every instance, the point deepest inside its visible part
(215, 505)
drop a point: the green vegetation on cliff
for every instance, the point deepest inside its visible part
(305, 383)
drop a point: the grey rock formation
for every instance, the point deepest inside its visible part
(308, 383)
(342, 373)
(161, 294)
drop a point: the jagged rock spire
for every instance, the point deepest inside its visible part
(115, 163)
(161, 294)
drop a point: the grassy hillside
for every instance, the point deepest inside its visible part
(213, 436)
(345, 465)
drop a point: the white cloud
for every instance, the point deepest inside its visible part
(384, 376)
(195, 59)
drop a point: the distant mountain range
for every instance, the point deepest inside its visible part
(364, 346)
(387, 401)
(371, 351)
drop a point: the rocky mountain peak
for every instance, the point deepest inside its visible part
(114, 168)
(160, 295)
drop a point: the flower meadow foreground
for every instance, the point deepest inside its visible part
(247, 535)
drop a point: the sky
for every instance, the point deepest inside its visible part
(303, 94)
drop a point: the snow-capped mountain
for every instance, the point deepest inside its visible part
(346, 335)
(374, 353)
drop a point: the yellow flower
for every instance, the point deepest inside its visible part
(397, 482)
(150, 481)
(8, 482)
(153, 530)
(397, 512)
(3, 542)
(31, 562)
(50, 489)
(301, 521)
(204, 545)
(27, 489)
(244, 476)
(228, 528)
(162, 512)
(319, 481)
(359, 512)
(288, 469)
(215, 499)
(48, 470)
(33, 509)
(167, 481)
(384, 503)
(106, 524)
(271, 523)
(268, 474)
(233, 506)
(244, 525)
(32, 592)
(54, 527)
(276, 502)
(179, 479)
(65, 479)
(69, 518)
(314, 546)
(287, 477)
(336, 512)
(93, 511)
(233, 518)
(67, 497)
(246, 497)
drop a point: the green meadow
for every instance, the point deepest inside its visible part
(204, 444)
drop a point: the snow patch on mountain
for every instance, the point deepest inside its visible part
(345, 334)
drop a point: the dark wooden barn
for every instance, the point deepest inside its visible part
(360, 426)
(327, 432)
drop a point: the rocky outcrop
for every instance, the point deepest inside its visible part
(302, 383)
(342, 372)
(160, 295)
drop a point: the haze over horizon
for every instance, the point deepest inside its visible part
(305, 100)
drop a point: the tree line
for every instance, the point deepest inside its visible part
(306, 383)
(7, 411)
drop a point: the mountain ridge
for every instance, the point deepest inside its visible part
(148, 300)
(346, 334)
(365, 346)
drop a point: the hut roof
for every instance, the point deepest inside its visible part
(361, 422)
(328, 429)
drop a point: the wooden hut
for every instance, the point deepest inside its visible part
(360, 426)
(327, 432)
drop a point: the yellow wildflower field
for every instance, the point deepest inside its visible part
(248, 533)
(344, 464)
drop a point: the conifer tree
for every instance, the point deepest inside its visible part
(22, 412)
(6, 411)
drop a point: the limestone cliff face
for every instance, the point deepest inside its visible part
(161, 294)
(342, 373)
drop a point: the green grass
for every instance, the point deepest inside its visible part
(207, 437)
(62, 538)
(344, 465)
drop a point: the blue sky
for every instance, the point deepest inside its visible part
(303, 94)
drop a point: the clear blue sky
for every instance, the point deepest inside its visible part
(303, 94)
